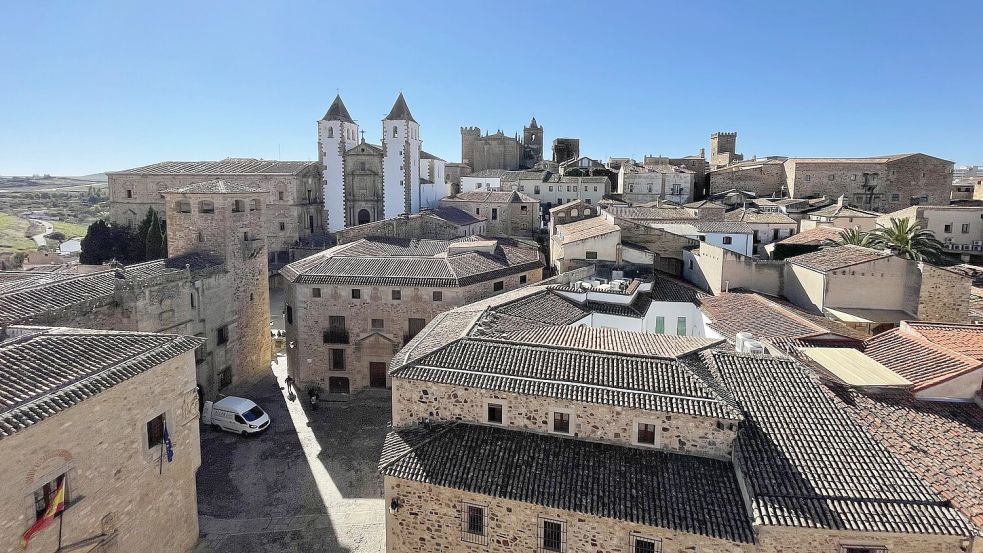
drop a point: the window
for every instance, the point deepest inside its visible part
(830, 178)
(473, 524)
(395, 131)
(279, 195)
(206, 206)
(552, 535)
(155, 431)
(283, 226)
(808, 178)
(495, 413)
(536, 189)
(290, 315)
(550, 188)
(397, 295)
(44, 495)
(356, 294)
(129, 193)
(645, 434)
(238, 206)
(947, 229)
(201, 237)
(853, 177)
(561, 422)
(965, 228)
(315, 292)
(494, 214)
(192, 300)
(522, 279)
(728, 240)
(438, 296)
(361, 165)
(498, 286)
(378, 324)
(184, 206)
(660, 325)
(225, 377)
(222, 334)
(337, 359)
(680, 326)
(645, 545)
(415, 326)
(895, 197)
(590, 255)
(477, 211)
(524, 208)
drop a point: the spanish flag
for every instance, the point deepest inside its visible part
(55, 507)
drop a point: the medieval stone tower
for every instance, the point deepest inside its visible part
(723, 149)
(469, 135)
(336, 133)
(401, 160)
(218, 229)
(532, 144)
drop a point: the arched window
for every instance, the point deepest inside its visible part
(395, 131)
(364, 216)
(183, 206)
(206, 206)
(330, 132)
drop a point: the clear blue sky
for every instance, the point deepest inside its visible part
(93, 86)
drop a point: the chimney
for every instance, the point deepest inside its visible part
(840, 200)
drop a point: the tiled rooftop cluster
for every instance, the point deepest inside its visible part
(227, 166)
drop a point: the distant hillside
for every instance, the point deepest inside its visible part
(36, 183)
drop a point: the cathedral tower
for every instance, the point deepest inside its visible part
(532, 142)
(336, 133)
(401, 146)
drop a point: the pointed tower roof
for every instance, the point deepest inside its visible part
(400, 111)
(533, 124)
(337, 111)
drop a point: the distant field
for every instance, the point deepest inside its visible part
(70, 230)
(12, 237)
(49, 184)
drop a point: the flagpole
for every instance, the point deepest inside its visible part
(61, 515)
(61, 520)
(162, 446)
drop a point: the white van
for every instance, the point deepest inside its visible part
(235, 414)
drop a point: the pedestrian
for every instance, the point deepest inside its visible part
(289, 381)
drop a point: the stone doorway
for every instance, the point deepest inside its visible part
(377, 375)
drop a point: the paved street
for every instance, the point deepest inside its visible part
(308, 484)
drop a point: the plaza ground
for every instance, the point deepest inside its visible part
(308, 484)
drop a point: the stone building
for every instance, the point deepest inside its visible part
(87, 408)
(726, 452)
(723, 150)
(366, 182)
(960, 229)
(213, 286)
(349, 309)
(292, 194)
(509, 213)
(695, 163)
(763, 176)
(571, 212)
(454, 172)
(499, 151)
(767, 227)
(443, 223)
(222, 222)
(641, 183)
(882, 184)
(565, 149)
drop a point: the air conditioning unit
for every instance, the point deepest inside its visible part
(754, 346)
(978, 242)
(742, 338)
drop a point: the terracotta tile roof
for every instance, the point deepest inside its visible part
(406, 262)
(217, 186)
(765, 318)
(613, 341)
(961, 338)
(814, 236)
(672, 290)
(587, 228)
(940, 441)
(808, 464)
(48, 370)
(837, 257)
(836, 210)
(495, 197)
(742, 215)
(456, 216)
(227, 166)
(651, 213)
(922, 361)
(619, 379)
(686, 493)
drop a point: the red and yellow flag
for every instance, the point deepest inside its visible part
(55, 507)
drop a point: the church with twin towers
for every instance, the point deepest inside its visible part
(366, 182)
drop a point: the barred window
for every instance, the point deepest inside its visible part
(561, 422)
(645, 545)
(473, 524)
(552, 535)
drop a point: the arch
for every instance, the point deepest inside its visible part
(364, 216)
(206, 206)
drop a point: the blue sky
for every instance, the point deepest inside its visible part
(93, 86)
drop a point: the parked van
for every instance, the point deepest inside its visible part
(235, 414)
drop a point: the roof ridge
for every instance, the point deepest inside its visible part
(445, 427)
(972, 363)
(760, 298)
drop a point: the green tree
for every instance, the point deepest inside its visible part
(908, 240)
(98, 245)
(156, 242)
(857, 237)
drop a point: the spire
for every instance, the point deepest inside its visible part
(400, 111)
(337, 111)
(533, 124)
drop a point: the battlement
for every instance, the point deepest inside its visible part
(723, 134)
(471, 130)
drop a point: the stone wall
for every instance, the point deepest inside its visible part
(429, 521)
(717, 270)
(943, 295)
(763, 178)
(502, 218)
(115, 482)
(310, 360)
(414, 400)
(417, 226)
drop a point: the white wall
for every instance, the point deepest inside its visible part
(471, 183)
(740, 243)
(332, 146)
(962, 388)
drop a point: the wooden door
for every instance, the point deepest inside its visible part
(377, 375)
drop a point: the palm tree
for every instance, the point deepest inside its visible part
(908, 240)
(855, 237)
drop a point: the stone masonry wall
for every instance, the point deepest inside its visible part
(115, 482)
(429, 521)
(414, 400)
(943, 296)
